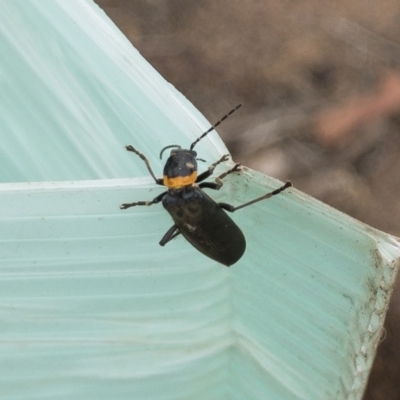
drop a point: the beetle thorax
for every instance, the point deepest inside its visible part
(180, 169)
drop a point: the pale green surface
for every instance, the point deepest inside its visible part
(73, 92)
(91, 307)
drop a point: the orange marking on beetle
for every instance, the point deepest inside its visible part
(179, 181)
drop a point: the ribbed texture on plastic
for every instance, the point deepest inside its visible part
(91, 307)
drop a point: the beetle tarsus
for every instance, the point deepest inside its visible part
(143, 203)
(222, 176)
(224, 158)
(127, 205)
(146, 160)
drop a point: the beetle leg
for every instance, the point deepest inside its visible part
(146, 160)
(211, 169)
(171, 234)
(230, 208)
(218, 179)
(143, 203)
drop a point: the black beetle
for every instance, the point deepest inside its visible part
(201, 220)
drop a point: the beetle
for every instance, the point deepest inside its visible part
(202, 221)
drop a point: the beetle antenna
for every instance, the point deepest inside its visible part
(200, 159)
(169, 147)
(214, 126)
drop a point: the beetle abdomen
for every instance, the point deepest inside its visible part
(226, 248)
(205, 224)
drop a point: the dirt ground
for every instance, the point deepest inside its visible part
(320, 84)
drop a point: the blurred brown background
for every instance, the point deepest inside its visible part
(320, 84)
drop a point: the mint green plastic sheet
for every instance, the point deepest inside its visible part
(91, 307)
